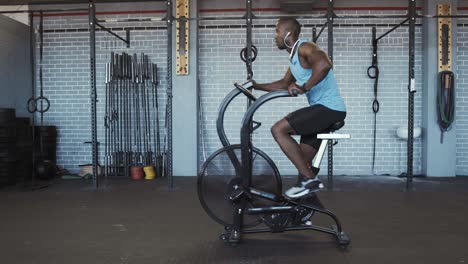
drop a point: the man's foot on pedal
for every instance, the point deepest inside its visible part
(303, 187)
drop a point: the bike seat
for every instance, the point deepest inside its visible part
(336, 126)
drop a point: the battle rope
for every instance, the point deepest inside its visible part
(445, 102)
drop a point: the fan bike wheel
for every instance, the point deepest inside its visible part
(218, 177)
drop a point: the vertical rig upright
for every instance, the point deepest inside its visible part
(93, 94)
(169, 22)
(411, 91)
(330, 18)
(249, 62)
(32, 44)
(248, 21)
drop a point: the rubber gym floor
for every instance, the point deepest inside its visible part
(146, 222)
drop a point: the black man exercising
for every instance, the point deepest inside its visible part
(310, 73)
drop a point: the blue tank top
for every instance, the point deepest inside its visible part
(325, 92)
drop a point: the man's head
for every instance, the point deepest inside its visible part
(287, 32)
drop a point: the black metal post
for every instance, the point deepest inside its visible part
(248, 20)
(92, 60)
(170, 19)
(41, 82)
(127, 31)
(411, 91)
(330, 17)
(31, 55)
(32, 45)
(314, 35)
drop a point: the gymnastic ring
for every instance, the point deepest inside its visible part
(243, 54)
(41, 99)
(375, 106)
(31, 105)
(107, 121)
(376, 71)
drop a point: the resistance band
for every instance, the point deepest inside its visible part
(373, 73)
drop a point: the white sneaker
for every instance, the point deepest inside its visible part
(303, 187)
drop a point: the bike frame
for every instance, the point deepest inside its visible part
(241, 194)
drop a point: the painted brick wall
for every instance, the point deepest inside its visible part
(66, 72)
(461, 118)
(220, 66)
(66, 83)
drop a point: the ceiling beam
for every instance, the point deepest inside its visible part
(61, 2)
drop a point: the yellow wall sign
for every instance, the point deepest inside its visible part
(444, 36)
(182, 36)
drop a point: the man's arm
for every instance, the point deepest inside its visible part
(277, 85)
(319, 62)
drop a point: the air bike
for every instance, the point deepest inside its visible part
(240, 187)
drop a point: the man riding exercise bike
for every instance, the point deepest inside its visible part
(310, 73)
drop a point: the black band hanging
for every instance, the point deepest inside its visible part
(445, 102)
(373, 73)
(40, 104)
(249, 53)
(248, 63)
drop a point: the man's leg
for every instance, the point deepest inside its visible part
(299, 155)
(307, 122)
(308, 152)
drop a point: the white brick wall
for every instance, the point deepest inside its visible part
(461, 110)
(220, 66)
(67, 77)
(66, 83)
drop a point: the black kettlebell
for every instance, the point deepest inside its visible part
(45, 170)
